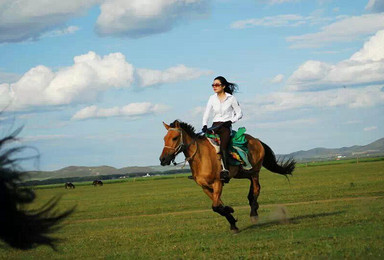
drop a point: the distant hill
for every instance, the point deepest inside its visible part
(72, 173)
(99, 172)
(373, 149)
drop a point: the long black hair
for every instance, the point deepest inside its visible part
(229, 87)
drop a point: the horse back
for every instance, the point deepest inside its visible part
(256, 152)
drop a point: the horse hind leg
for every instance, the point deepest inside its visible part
(254, 191)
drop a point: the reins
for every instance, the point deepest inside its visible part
(182, 148)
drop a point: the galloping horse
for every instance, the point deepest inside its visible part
(69, 185)
(205, 165)
(97, 183)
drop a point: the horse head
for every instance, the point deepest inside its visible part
(173, 143)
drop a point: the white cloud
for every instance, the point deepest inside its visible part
(69, 30)
(5, 99)
(343, 97)
(375, 6)
(148, 77)
(285, 20)
(278, 78)
(271, 21)
(139, 18)
(132, 110)
(346, 30)
(364, 67)
(353, 122)
(24, 19)
(371, 128)
(373, 50)
(332, 83)
(83, 81)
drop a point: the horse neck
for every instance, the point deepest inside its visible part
(195, 150)
(191, 142)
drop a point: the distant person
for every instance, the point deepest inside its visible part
(226, 111)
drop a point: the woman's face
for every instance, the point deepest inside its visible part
(217, 86)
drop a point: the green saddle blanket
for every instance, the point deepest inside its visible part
(238, 147)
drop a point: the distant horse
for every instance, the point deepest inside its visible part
(206, 166)
(97, 183)
(69, 185)
(21, 228)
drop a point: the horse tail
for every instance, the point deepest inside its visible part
(272, 164)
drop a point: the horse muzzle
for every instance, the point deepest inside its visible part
(166, 159)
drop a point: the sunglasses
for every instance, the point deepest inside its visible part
(216, 85)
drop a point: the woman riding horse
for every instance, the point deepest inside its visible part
(206, 167)
(226, 111)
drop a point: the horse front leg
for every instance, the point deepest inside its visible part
(218, 207)
(254, 191)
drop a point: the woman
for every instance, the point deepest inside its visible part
(226, 111)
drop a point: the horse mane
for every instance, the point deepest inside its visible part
(21, 228)
(189, 129)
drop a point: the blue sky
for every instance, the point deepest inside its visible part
(92, 80)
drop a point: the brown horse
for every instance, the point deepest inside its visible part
(205, 165)
(69, 185)
(97, 183)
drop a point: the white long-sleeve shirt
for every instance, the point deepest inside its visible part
(227, 110)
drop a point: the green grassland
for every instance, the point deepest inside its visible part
(324, 211)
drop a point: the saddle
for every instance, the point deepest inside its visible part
(237, 148)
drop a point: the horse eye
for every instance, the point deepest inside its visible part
(175, 138)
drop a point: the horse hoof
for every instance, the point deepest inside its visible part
(254, 219)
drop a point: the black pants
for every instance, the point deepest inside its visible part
(224, 133)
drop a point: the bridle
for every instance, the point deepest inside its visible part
(181, 147)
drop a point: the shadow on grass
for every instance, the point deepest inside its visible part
(295, 220)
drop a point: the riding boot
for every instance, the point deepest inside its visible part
(224, 174)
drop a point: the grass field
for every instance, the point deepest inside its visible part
(331, 211)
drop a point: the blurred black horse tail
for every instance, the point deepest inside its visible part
(21, 228)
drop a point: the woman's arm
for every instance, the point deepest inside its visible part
(236, 107)
(208, 109)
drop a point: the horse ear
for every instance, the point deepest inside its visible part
(166, 126)
(177, 124)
